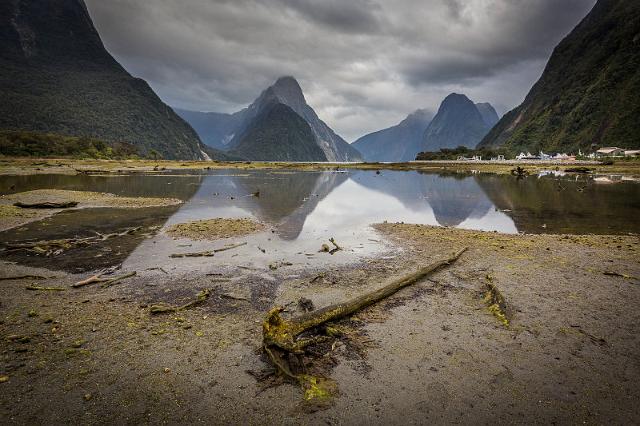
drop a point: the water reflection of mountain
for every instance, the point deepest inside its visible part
(453, 198)
(564, 205)
(85, 222)
(286, 199)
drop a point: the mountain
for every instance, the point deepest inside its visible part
(57, 77)
(214, 128)
(458, 122)
(398, 143)
(488, 113)
(278, 134)
(225, 131)
(588, 92)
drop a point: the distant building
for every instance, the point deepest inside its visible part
(527, 156)
(610, 151)
(632, 153)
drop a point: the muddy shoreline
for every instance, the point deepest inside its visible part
(434, 352)
(27, 166)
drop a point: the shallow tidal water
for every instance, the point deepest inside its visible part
(304, 209)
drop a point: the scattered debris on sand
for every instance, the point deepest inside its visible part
(283, 339)
(55, 247)
(213, 229)
(326, 249)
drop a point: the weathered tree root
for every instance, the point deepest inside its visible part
(46, 205)
(162, 308)
(281, 337)
(106, 282)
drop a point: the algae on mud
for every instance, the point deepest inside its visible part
(213, 229)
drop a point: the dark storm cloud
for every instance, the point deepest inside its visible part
(363, 64)
(348, 16)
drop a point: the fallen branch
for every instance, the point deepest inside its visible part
(37, 287)
(208, 253)
(281, 336)
(229, 247)
(161, 308)
(46, 205)
(106, 282)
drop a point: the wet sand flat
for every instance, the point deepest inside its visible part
(433, 352)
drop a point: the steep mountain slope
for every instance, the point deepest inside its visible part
(287, 91)
(457, 123)
(588, 93)
(278, 134)
(397, 143)
(225, 131)
(56, 76)
(488, 113)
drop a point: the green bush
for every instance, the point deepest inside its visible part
(14, 143)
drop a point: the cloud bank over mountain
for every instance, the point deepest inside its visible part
(363, 64)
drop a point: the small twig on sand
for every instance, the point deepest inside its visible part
(618, 274)
(157, 268)
(106, 282)
(37, 287)
(229, 247)
(208, 253)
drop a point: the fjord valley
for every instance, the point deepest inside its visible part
(319, 212)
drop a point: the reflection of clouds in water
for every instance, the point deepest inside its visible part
(353, 206)
(493, 220)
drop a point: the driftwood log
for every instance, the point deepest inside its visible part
(281, 337)
(47, 205)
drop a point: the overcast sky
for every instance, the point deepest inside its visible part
(362, 64)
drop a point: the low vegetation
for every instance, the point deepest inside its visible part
(48, 145)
